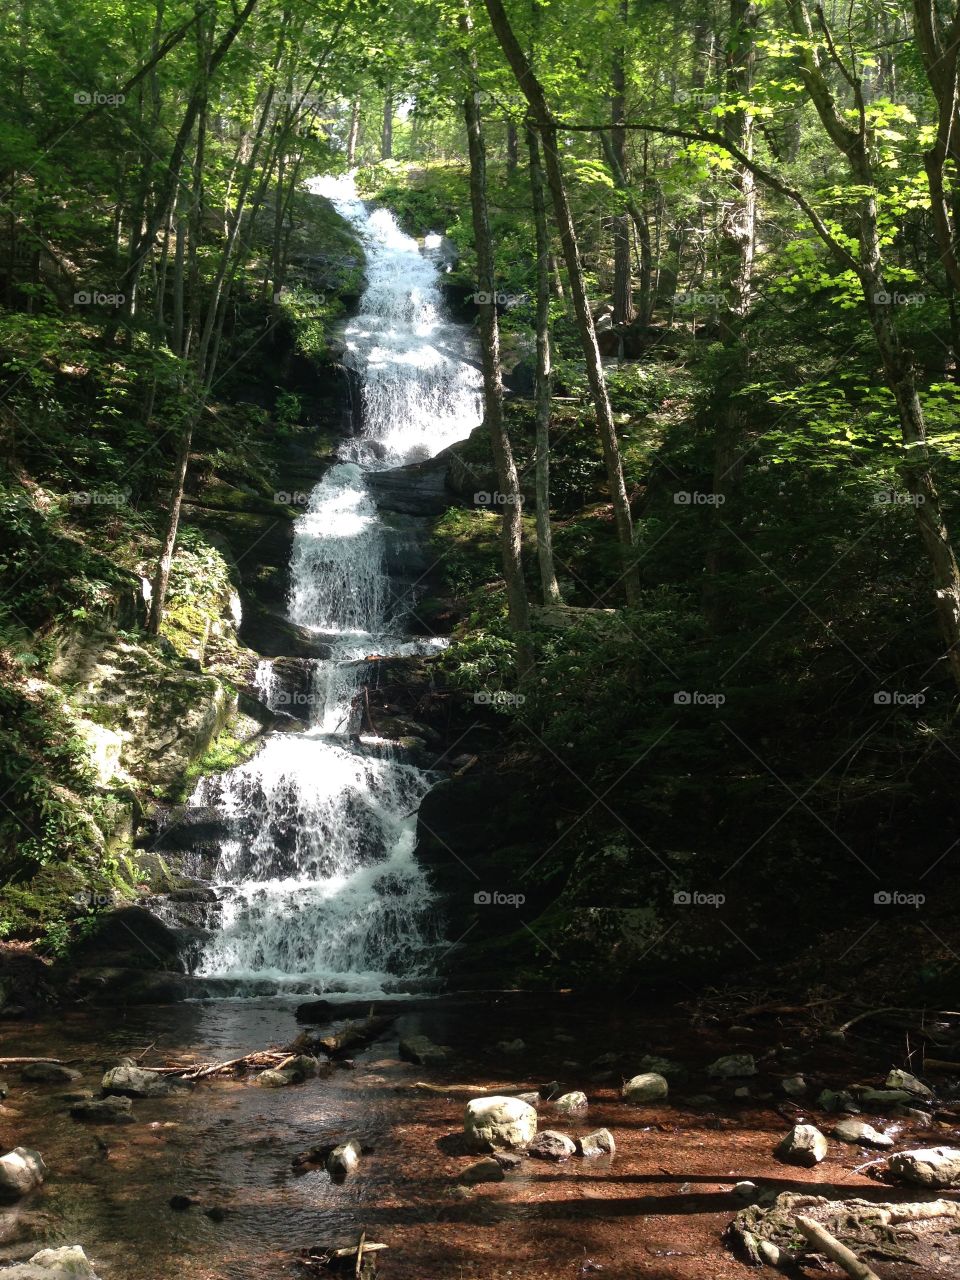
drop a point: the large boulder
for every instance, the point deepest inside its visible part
(21, 1171)
(937, 1167)
(66, 1263)
(492, 1123)
(130, 938)
(649, 1086)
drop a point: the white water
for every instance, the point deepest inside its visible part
(318, 881)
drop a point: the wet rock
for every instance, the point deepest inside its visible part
(918, 1119)
(882, 1098)
(343, 1160)
(274, 1078)
(112, 1110)
(572, 1104)
(551, 1145)
(422, 1051)
(130, 1081)
(181, 1203)
(898, 1079)
(76, 1095)
(733, 1066)
(598, 1143)
(215, 1213)
(487, 1170)
(858, 1131)
(834, 1100)
(794, 1086)
(531, 1099)
(937, 1167)
(646, 1087)
(499, 1122)
(67, 1263)
(48, 1073)
(21, 1171)
(508, 1159)
(804, 1145)
(511, 1046)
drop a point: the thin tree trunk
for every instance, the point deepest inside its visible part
(623, 311)
(543, 386)
(354, 134)
(509, 495)
(386, 132)
(533, 92)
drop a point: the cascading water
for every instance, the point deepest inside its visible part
(318, 881)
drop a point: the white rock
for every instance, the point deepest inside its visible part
(649, 1086)
(928, 1166)
(343, 1160)
(598, 1143)
(21, 1170)
(571, 1104)
(859, 1131)
(499, 1122)
(804, 1144)
(68, 1263)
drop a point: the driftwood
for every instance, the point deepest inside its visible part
(353, 1036)
(940, 1064)
(358, 1260)
(262, 1059)
(25, 1062)
(825, 1243)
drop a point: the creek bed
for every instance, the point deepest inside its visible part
(658, 1208)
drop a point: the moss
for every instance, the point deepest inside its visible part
(232, 747)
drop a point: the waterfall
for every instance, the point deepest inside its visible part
(317, 879)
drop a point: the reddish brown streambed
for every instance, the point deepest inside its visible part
(657, 1209)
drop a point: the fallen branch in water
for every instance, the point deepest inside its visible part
(825, 1243)
(263, 1058)
(25, 1062)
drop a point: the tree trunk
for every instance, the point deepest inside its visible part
(622, 258)
(354, 134)
(737, 247)
(533, 91)
(509, 495)
(386, 132)
(543, 386)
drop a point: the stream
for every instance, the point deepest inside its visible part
(320, 894)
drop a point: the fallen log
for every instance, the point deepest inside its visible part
(353, 1036)
(827, 1244)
